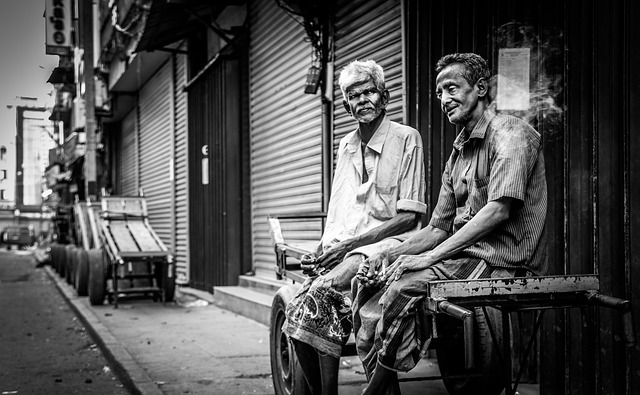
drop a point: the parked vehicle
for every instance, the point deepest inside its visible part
(19, 235)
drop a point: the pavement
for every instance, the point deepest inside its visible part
(191, 346)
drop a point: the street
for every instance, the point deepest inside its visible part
(45, 348)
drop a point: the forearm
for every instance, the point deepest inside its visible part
(424, 240)
(481, 225)
(402, 222)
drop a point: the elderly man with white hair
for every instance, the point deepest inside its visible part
(377, 200)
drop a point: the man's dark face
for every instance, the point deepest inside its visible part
(365, 102)
(458, 98)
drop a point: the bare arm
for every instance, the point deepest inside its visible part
(402, 222)
(483, 223)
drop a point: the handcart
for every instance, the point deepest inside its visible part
(133, 260)
(469, 320)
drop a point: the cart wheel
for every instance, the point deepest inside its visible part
(55, 252)
(97, 277)
(286, 372)
(450, 354)
(169, 284)
(82, 271)
(70, 261)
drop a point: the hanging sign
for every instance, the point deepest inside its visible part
(513, 79)
(57, 16)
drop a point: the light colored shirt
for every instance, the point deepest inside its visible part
(394, 162)
(501, 157)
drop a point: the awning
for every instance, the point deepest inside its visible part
(172, 21)
(61, 75)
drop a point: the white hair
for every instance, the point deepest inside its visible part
(358, 72)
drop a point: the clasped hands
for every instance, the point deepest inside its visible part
(332, 256)
(377, 270)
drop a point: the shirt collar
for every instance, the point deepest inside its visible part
(478, 131)
(377, 140)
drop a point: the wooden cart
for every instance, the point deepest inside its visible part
(469, 320)
(133, 260)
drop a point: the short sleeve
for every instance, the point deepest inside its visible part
(411, 182)
(515, 152)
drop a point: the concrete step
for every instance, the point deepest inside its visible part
(261, 284)
(244, 301)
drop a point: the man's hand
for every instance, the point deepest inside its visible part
(408, 263)
(373, 269)
(335, 254)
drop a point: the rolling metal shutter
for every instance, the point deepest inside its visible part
(127, 164)
(156, 151)
(286, 170)
(366, 29)
(181, 177)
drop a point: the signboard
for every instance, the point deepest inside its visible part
(513, 79)
(57, 16)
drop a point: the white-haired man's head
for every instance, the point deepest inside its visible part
(358, 72)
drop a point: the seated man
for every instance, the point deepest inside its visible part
(377, 200)
(488, 222)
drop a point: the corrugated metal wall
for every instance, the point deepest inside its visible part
(156, 151)
(366, 29)
(286, 170)
(181, 168)
(127, 156)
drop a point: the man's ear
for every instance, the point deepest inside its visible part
(483, 87)
(346, 106)
(385, 97)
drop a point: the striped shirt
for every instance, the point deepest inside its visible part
(501, 157)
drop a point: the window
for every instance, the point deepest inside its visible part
(3, 174)
(2, 194)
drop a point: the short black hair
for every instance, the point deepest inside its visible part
(475, 66)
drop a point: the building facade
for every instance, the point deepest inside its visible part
(213, 111)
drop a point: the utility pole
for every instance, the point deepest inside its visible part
(87, 42)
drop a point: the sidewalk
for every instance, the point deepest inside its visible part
(194, 347)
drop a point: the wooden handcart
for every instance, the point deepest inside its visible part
(469, 320)
(133, 260)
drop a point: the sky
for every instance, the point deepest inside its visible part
(24, 66)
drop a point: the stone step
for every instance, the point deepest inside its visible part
(261, 284)
(244, 301)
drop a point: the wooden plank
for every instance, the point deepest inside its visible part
(512, 286)
(143, 236)
(115, 206)
(122, 236)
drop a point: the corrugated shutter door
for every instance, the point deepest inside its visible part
(156, 150)
(366, 29)
(127, 183)
(286, 170)
(181, 176)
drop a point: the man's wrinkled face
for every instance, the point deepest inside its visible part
(458, 99)
(365, 102)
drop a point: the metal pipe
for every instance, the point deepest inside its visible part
(467, 319)
(599, 299)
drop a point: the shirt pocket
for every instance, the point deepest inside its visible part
(382, 202)
(479, 194)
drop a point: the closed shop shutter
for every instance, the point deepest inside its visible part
(156, 148)
(366, 29)
(286, 170)
(127, 177)
(180, 168)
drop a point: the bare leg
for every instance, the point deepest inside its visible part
(309, 362)
(329, 372)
